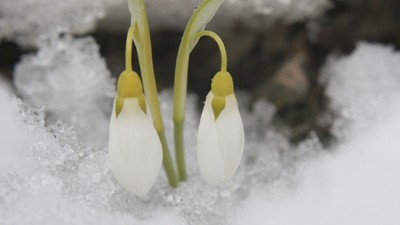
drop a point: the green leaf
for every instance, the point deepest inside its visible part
(201, 16)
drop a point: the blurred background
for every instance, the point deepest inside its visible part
(276, 48)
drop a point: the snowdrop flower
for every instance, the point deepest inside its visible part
(134, 147)
(220, 138)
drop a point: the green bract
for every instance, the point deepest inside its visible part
(201, 16)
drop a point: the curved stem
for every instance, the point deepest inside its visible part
(180, 89)
(128, 50)
(221, 46)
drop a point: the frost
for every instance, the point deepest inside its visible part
(269, 162)
(70, 79)
(37, 181)
(68, 178)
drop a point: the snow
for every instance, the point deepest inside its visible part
(360, 88)
(54, 166)
(12, 135)
(358, 182)
(70, 79)
(357, 185)
(27, 22)
(47, 177)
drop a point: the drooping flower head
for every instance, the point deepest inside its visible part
(134, 146)
(221, 135)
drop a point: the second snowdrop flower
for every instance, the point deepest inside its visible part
(221, 135)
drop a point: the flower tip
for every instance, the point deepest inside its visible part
(129, 85)
(222, 84)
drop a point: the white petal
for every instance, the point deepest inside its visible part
(220, 142)
(134, 149)
(208, 153)
(230, 135)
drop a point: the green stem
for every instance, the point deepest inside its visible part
(167, 162)
(180, 153)
(180, 83)
(180, 89)
(128, 50)
(201, 16)
(221, 46)
(150, 88)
